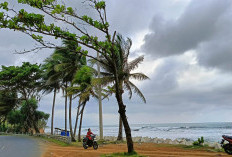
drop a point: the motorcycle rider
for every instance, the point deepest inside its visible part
(89, 133)
(89, 141)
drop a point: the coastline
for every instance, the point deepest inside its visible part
(156, 140)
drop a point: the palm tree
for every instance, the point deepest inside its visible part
(70, 61)
(84, 89)
(125, 69)
(51, 82)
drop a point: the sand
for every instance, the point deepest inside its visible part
(151, 150)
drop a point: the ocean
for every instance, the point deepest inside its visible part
(211, 132)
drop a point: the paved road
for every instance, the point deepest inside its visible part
(19, 146)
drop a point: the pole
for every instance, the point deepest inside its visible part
(100, 102)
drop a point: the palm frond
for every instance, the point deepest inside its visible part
(128, 47)
(104, 81)
(106, 74)
(139, 76)
(128, 88)
(60, 67)
(137, 91)
(135, 63)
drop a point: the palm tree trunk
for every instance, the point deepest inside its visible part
(53, 108)
(120, 138)
(77, 117)
(82, 112)
(122, 112)
(66, 104)
(70, 119)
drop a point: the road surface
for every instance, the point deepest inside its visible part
(19, 146)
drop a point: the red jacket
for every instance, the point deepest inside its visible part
(89, 133)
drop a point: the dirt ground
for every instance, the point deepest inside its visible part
(150, 150)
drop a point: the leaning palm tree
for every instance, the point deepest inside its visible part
(125, 69)
(51, 82)
(85, 86)
(70, 61)
(83, 89)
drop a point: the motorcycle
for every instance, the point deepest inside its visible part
(228, 146)
(90, 143)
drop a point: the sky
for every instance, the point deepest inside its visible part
(187, 46)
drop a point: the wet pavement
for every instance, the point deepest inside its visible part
(19, 146)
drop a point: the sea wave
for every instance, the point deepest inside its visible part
(170, 128)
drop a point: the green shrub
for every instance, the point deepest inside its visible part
(3, 128)
(199, 142)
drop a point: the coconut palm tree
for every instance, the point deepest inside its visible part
(51, 82)
(125, 73)
(83, 89)
(70, 61)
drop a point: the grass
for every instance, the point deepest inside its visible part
(134, 154)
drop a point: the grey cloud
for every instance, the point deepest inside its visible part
(217, 52)
(184, 101)
(198, 24)
(166, 74)
(130, 16)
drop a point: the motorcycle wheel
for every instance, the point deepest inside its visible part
(85, 146)
(95, 145)
(228, 148)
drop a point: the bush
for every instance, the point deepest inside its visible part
(199, 142)
(3, 128)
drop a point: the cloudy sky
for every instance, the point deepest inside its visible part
(188, 51)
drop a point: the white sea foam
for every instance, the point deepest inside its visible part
(211, 132)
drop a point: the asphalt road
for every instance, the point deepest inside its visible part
(19, 146)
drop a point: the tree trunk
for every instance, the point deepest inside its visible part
(53, 108)
(70, 119)
(120, 138)
(122, 112)
(36, 127)
(77, 117)
(82, 112)
(66, 104)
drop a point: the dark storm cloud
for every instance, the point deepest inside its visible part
(200, 25)
(165, 76)
(132, 16)
(217, 52)
(191, 99)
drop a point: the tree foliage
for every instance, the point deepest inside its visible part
(23, 79)
(8, 101)
(27, 116)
